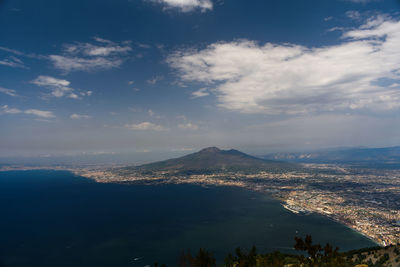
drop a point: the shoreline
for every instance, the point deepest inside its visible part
(155, 181)
(306, 213)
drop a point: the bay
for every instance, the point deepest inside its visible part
(54, 218)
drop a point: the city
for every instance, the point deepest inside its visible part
(366, 200)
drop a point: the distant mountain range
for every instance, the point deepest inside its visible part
(215, 159)
(386, 155)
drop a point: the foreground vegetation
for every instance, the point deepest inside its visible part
(312, 255)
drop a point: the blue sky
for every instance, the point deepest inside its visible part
(171, 76)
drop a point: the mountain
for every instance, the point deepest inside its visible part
(215, 159)
(376, 156)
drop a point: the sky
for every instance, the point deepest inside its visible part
(168, 77)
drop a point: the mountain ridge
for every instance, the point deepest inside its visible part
(356, 155)
(214, 159)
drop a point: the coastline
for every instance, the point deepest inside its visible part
(301, 213)
(96, 176)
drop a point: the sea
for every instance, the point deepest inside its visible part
(55, 218)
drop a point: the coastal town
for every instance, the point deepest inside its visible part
(366, 200)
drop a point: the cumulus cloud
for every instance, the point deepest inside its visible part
(102, 55)
(79, 116)
(9, 92)
(50, 81)
(186, 5)
(58, 87)
(293, 79)
(145, 126)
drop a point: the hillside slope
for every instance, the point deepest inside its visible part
(214, 159)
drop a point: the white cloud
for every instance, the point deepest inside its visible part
(58, 87)
(9, 92)
(106, 49)
(153, 114)
(5, 109)
(50, 81)
(145, 126)
(144, 46)
(40, 113)
(12, 51)
(19, 53)
(79, 116)
(86, 93)
(188, 126)
(73, 96)
(101, 40)
(8, 110)
(186, 5)
(200, 93)
(353, 14)
(13, 62)
(67, 63)
(103, 55)
(294, 79)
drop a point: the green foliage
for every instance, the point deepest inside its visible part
(314, 255)
(318, 255)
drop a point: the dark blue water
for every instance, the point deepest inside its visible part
(53, 218)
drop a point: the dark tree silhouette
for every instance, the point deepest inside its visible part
(203, 259)
(242, 258)
(318, 256)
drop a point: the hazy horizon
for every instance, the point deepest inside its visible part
(142, 157)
